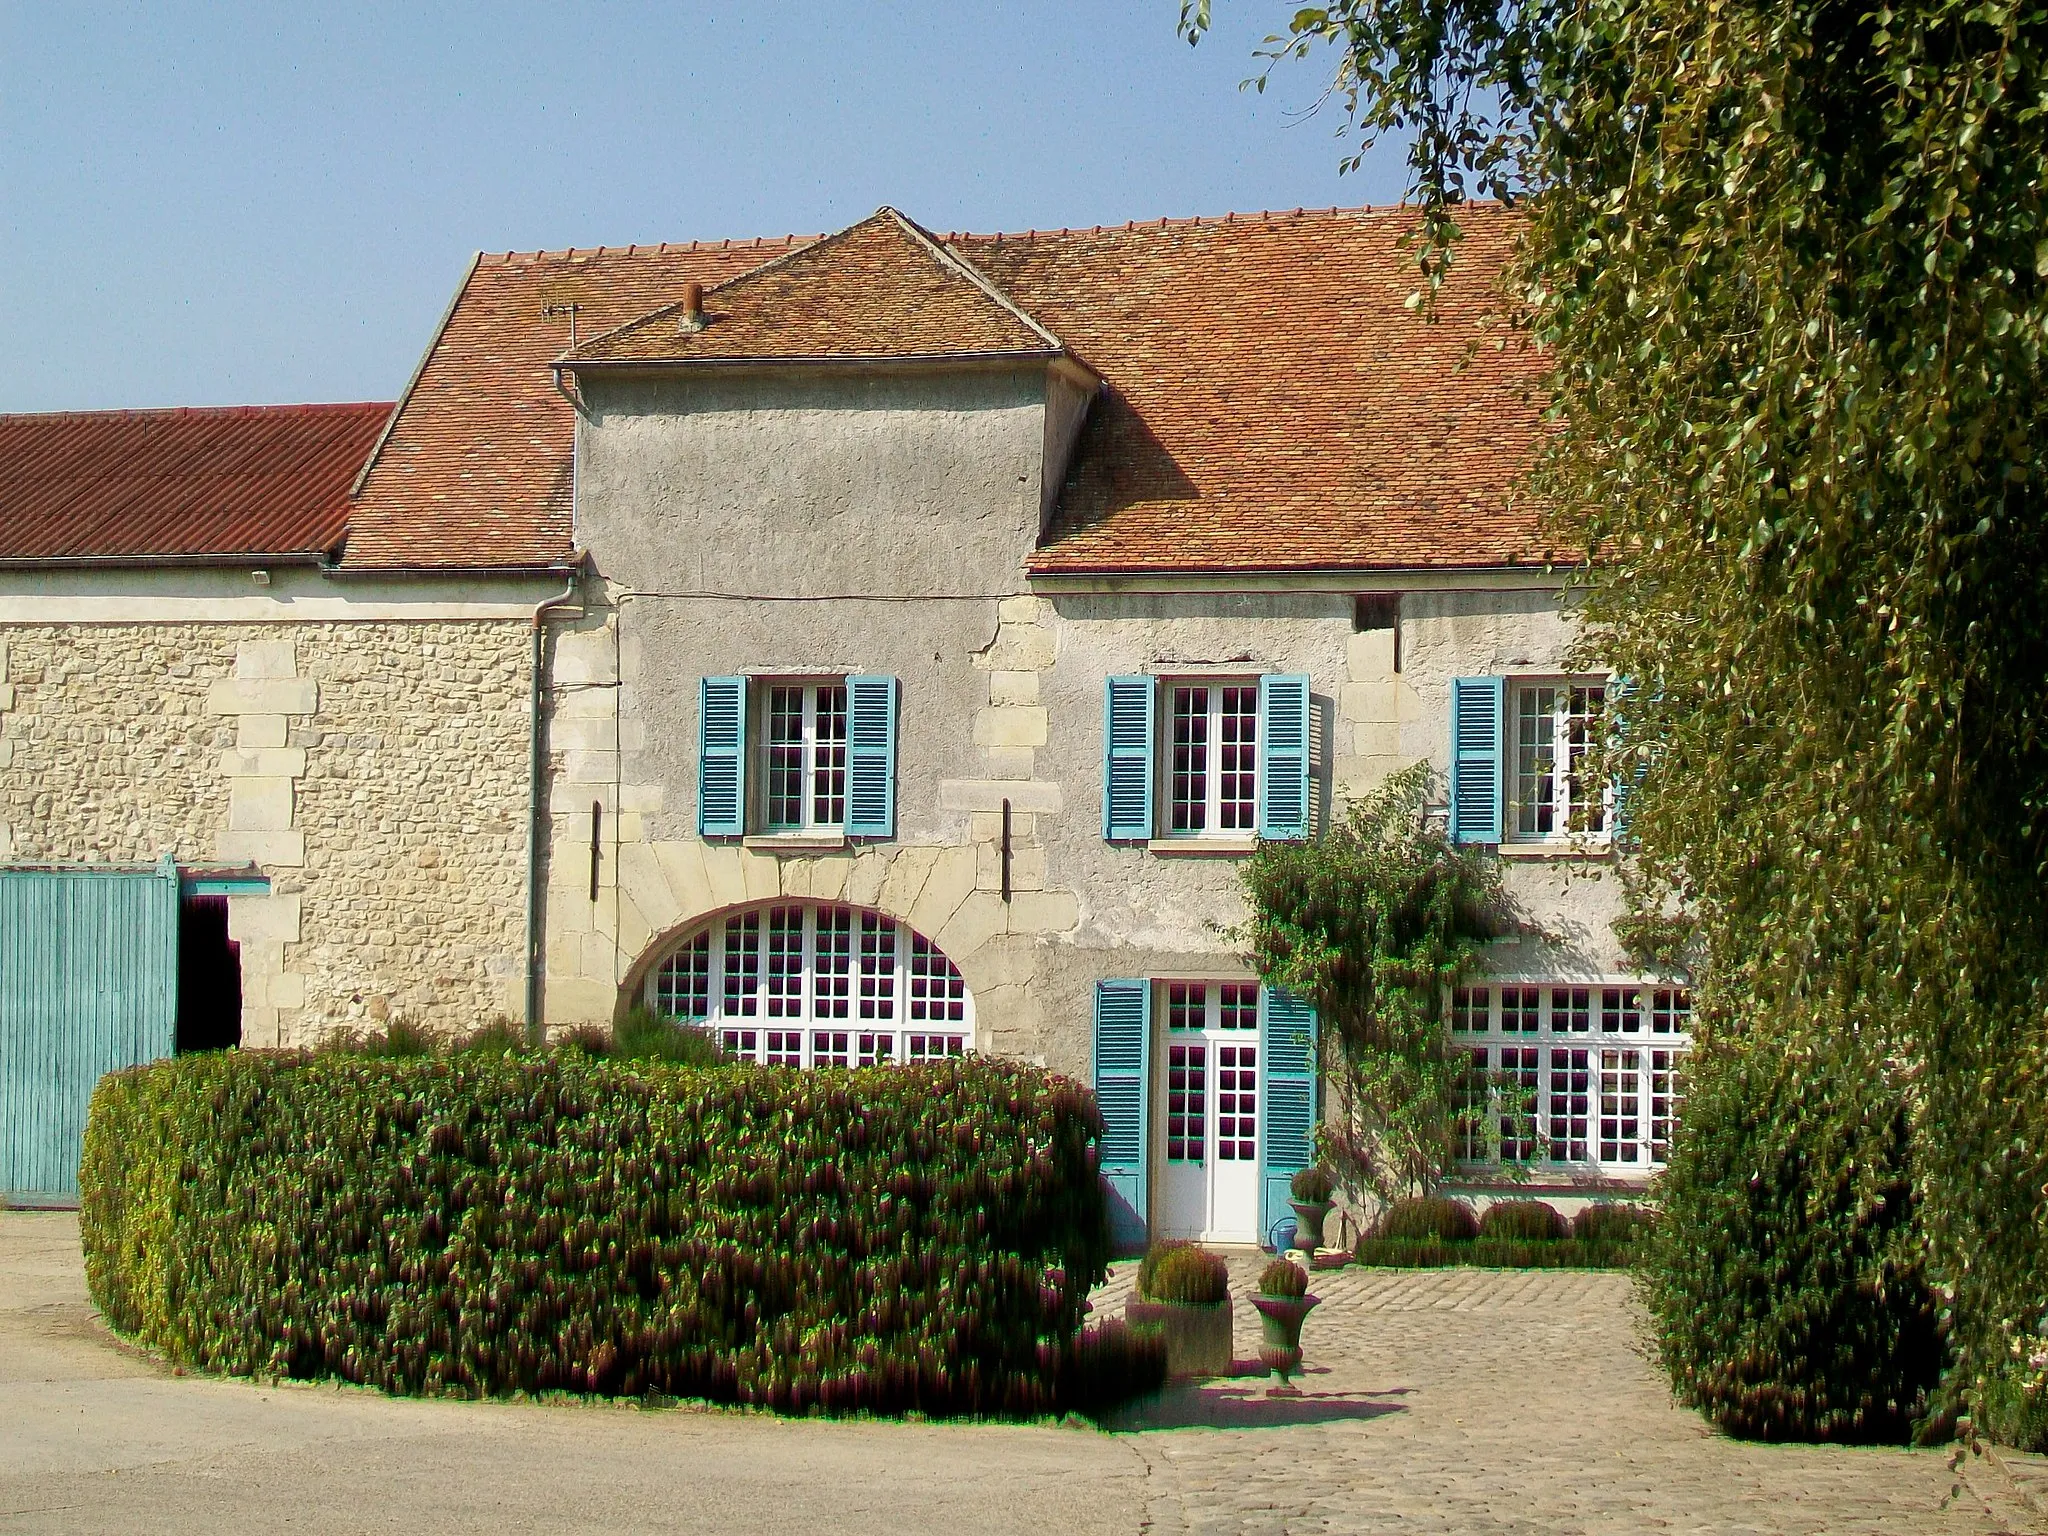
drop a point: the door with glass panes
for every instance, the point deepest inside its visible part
(1207, 1122)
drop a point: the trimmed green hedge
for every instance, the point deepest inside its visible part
(1783, 1278)
(917, 1238)
(1491, 1253)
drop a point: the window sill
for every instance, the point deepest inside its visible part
(1485, 1179)
(1584, 851)
(795, 842)
(1205, 847)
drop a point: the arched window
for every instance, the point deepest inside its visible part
(813, 984)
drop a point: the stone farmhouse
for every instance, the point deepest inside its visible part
(875, 647)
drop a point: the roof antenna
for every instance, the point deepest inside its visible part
(550, 311)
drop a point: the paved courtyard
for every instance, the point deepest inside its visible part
(1455, 1401)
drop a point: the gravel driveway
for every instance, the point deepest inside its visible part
(1459, 1401)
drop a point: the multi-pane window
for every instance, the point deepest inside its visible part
(1555, 790)
(817, 984)
(1213, 765)
(1187, 1098)
(806, 756)
(1469, 1132)
(1212, 1041)
(1581, 1075)
(1237, 1103)
(1621, 1100)
(938, 995)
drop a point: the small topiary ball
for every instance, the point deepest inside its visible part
(1148, 1267)
(1192, 1276)
(1612, 1224)
(1448, 1221)
(1522, 1221)
(1283, 1277)
(1313, 1186)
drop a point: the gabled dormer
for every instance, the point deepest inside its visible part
(870, 394)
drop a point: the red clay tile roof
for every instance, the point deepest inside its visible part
(476, 469)
(192, 484)
(1272, 404)
(880, 289)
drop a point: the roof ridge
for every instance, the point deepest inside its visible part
(663, 248)
(670, 308)
(131, 412)
(1230, 218)
(967, 269)
(790, 241)
(948, 261)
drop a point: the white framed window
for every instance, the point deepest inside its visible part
(1212, 1042)
(1586, 1077)
(1212, 757)
(1555, 791)
(805, 756)
(809, 984)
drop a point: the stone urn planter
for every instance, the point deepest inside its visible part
(1283, 1302)
(1197, 1334)
(1184, 1292)
(1280, 1320)
(1309, 1216)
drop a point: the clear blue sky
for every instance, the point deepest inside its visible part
(217, 203)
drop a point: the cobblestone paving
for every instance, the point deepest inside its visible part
(1484, 1402)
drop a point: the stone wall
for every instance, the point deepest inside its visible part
(376, 772)
(1004, 701)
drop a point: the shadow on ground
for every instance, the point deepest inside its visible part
(1242, 1401)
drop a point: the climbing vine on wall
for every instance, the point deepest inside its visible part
(1373, 923)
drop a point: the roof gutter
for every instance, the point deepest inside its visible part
(233, 560)
(1341, 579)
(833, 360)
(447, 572)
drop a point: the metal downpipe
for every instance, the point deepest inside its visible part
(536, 802)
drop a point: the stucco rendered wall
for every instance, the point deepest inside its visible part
(376, 772)
(1002, 700)
(790, 523)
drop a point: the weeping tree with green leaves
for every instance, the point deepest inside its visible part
(1374, 922)
(1787, 262)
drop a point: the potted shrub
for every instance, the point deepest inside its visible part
(1185, 1292)
(1311, 1189)
(1283, 1302)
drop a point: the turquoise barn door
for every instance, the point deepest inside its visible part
(88, 985)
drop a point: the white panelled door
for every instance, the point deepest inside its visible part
(1207, 1107)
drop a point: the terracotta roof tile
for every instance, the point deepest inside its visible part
(190, 484)
(882, 288)
(476, 469)
(1272, 404)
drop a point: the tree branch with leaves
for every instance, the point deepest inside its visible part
(1789, 265)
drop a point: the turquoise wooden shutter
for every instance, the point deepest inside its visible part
(1624, 784)
(1476, 708)
(1283, 757)
(88, 985)
(870, 756)
(1123, 1082)
(1287, 1103)
(1127, 759)
(722, 757)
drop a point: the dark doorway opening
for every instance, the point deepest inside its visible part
(209, 977)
